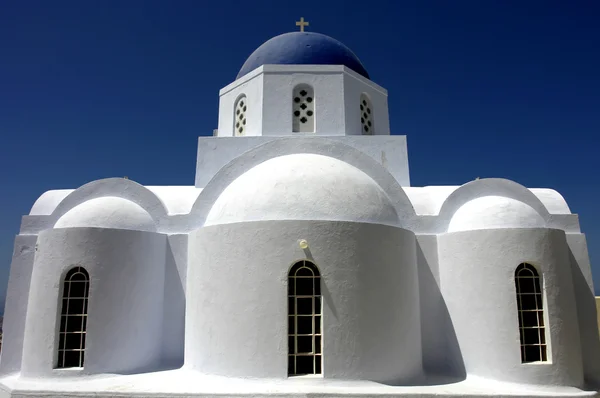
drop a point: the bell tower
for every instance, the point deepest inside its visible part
(303, 83)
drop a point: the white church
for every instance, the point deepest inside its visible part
(301, 261)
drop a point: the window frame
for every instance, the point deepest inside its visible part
(367, 119)
(532, 320)
(240, 120)
(64, 328)
(313, 319)
(303, 106)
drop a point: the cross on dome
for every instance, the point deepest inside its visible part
(302, 24)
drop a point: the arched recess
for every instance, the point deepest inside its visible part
(304, 319)
(239, 115)
(117, 187)
(303, 109)
(487, 187)
(73, 318)
(530, 306)
(295, 145)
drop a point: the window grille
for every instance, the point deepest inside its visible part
(531, 314)
(304, 319)
(366, 115)
(303, 108)
(73, 318)
(239, 116)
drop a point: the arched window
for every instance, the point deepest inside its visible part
(304, 319)
(73, 318)
(239, 116)
(303, 108)
(366, 115)
(531, 314)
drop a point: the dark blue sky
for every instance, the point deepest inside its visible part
(95, 89)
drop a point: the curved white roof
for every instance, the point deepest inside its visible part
(303, 187)
(107, 212)
(552, 200)
(176, 199)
(491, 212)
(48, 201)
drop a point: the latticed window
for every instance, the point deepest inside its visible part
(304, 319)
(531, 314)
(366, 115)
(303, 107)
(73, 318)
(239, 116)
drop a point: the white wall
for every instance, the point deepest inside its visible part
(586, 307)
(237, 299)
(477, 280)
(434, 316)
(17, 297)
(252, 87)
(354, 86)
(125, 303)
(328, 102)
(269, 91)
(215, 153)
(173, 322)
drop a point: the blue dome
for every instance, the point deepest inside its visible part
(303, 48)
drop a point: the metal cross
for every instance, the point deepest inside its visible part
(302, 24)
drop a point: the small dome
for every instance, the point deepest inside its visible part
(303, 48)
(303, 187)
(490, 212)
(107, 212)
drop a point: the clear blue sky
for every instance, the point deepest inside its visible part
(95, 89)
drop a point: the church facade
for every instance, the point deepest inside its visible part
(301, 261)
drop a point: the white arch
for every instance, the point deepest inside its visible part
(303, 187)
(117, 187)
(295, 145)
(488, 187)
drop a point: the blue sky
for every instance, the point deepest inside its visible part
(94, 89)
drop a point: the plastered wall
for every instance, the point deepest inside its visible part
(214, 154)
(16, 303)
(173, 323)
(328, 103)
(477, 282)
(583, 286)
(434, 315)
(124, 326)
(252, 88)
(448, 268)
(237, 299)
(354, 86)
(269, 91)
